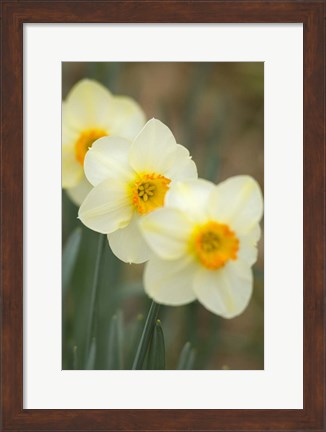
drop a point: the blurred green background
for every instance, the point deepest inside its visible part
(216, 110)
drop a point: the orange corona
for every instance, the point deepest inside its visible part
(85, 141)
(214, 244)
(148, 192)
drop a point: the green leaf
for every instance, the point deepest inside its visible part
(115, 345)
(156, 354)
(92, 306)
(109, 301)
(133, 334)
(75, 357)
(69, 257)
(90, 364)
(146, 336)
(133, 289)
(187, 357)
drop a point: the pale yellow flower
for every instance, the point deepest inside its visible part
(130, 180)
(205, 242)
(90, 112)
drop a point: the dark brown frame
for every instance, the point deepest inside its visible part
(14, 15)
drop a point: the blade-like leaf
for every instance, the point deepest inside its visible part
(115, 345)
(75, 357)
(129, 290)
(69, 257)
(187, 357)
(156, 354)
(90, 364)
(133, 334)
(146, 336)
(92, 306)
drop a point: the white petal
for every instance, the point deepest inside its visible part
(225, 291)
(78, 193)
(127, 118)
(69, 134)
(248, 251)
(72, 171)
(182, 167)
(167, 232)
(107, 207)
(152, 149)
(128, 243)
(191, 197)
(108, 158)
(238, 202)
(88, 105)
(170, 282)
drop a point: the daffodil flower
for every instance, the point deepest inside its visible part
(90, 112)
(205, 242)
(130, 180)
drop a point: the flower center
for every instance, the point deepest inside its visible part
(85, 141)
(214, 244)
(148, 192)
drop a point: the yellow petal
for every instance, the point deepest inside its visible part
(170, 282)
(227, 291)
(88, 105)
(238, 202)
(167, 232)
(127, 118)
(128, 243)
(108, 158)
(191, 197)
(78, 193)
(248, 251)
(72, 171)
(153, 148)
(182, 167)
(106, 208)
(69, 134)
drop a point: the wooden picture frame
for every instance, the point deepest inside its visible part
(14, 15)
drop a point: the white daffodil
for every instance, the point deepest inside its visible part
(130, 180)
(204, 241)
(90, 112)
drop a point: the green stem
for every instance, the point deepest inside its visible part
(146, 336)
(92, 308)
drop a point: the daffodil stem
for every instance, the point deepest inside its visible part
(146, 336)
(92, 309)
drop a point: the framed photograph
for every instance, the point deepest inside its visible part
(162, 217)
(222, 146)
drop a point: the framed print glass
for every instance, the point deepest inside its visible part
(167, 152)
